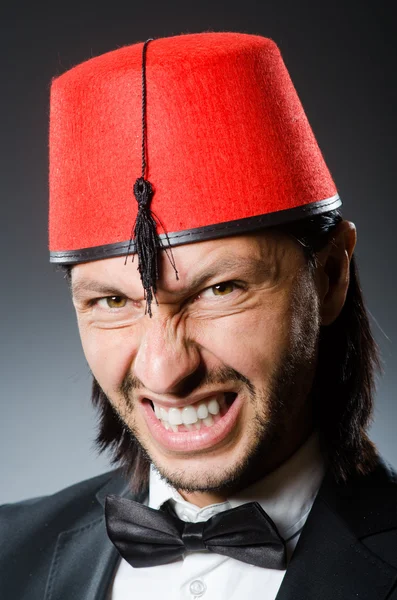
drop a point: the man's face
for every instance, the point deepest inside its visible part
(215, 385)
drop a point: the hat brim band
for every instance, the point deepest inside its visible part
(200, 234)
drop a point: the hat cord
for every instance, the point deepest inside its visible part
(147, 240)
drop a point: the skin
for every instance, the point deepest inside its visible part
(255, 334)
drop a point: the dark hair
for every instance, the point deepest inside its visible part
(348, 362)
(343, 389)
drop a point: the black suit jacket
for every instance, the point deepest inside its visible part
(56, 548)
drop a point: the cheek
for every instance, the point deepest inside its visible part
(250, 342)
(109, 354)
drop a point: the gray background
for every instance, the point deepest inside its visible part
(341, 57)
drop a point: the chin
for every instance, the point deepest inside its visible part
(215, 470)
(208, 478)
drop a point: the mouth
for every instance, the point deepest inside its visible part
(194, 427)
(195, 416)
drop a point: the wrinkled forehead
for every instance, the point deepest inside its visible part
(245, 257)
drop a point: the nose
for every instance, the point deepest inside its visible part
(165, 357)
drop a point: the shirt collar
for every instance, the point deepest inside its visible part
(287, 494)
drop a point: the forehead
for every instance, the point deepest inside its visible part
(231, 256)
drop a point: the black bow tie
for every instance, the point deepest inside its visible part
(146, 537)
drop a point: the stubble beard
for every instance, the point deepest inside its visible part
(276, 408)
(275, 413)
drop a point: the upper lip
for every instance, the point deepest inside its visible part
(182, 402)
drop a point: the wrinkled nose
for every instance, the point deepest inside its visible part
(165, 357)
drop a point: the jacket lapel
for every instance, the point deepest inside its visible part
(84, 559)
(83, 564)
(331, 560)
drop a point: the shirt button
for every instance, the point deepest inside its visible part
(197, 588)
(184, 516)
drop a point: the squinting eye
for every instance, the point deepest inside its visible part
(222, 289)
(113, 302)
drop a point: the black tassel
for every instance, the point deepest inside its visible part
(146, 241)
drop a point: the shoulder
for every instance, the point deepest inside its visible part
(378, 487)
(30, 531)
(368, 505)
(48, 515)
(363, 492)
(376, 495)
(83, 490)
(376, 520)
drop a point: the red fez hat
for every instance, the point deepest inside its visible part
(228, 146)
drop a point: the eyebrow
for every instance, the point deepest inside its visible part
(90, 285)
(251, 267)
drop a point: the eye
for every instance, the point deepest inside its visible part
(222, 289)
(225, 288)
(112, 302)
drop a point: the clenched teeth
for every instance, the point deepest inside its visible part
(191, 417)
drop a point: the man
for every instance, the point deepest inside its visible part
(232, 357)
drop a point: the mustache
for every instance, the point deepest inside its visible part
(193, 383)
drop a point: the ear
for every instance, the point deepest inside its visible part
(332, 272)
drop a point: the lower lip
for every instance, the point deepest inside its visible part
(190, 441)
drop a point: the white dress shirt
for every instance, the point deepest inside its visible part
(287, 496)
